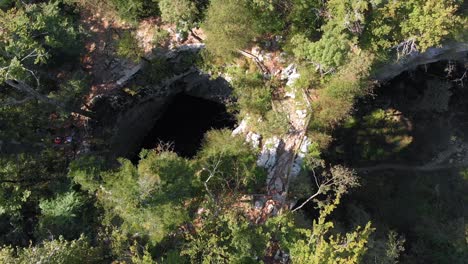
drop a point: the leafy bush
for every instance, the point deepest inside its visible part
(229, 26)
(128, 47)
(227, 238)
(61, 216)
(336, 99)
(327, 53)
(274, 123)
(230, 160)
(149, 198)
(253, 96)
(57, 251)
(132, 10)
(427, 23)
(160, 36)
(183, 13)
(303, 20)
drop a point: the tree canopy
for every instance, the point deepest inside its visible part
(84, 84)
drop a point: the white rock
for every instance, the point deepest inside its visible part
(297, 165)
(241, 128)
(290, 94)
(301, 113)
(256, 50)
(179, 37)
(288, 71)
(268, 154)
(253, 139)
(270, 208)
(292, 78)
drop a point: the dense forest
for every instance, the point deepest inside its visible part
(233, 131)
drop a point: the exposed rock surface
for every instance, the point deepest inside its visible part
(130, 117)
(450, 51)
(283, 157)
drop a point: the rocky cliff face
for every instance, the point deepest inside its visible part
(450, 51)
(131, 116)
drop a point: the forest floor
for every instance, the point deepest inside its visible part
(101, 61)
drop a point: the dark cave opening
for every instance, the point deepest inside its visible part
(185, 122)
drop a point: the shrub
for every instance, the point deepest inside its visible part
(230, 160)
(128, 47)
(61, 215)
(132, 10)
(253, 96)
(183, 13)
(58, 251)
(229, 26)
(160, 36)
(273, 124)
(336, 98)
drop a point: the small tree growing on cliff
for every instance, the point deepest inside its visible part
(128, 47)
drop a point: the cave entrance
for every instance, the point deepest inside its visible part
(185, 122)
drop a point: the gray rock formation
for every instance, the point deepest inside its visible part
(450, 51)
(130, 117)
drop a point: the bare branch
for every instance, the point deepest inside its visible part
(25, 88)
(13, 102)
(259, 64)
(339, 179)
(308, 200)
(212, 173)
(406, 48)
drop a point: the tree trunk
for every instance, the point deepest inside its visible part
(25, 88)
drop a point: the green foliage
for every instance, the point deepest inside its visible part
(227, 238)
(57, 251)
(133, 10)
(150, 198)
(209, 63)
(320, 244)
(229, 26)
(183, 13)
(72, 92)
(30, 35)
(16, 172)
(253, 96)
(337, 97)
(160, 36)
(128, 47)
(329, 52)
(303, 20)
(387, 250)
(150, 208)
(24, 180)
(269, 15)
(274, 123)
(85, 171)
(229, 161)
(61, 215)
(141, 258)
(4, 4)
(427, 23)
